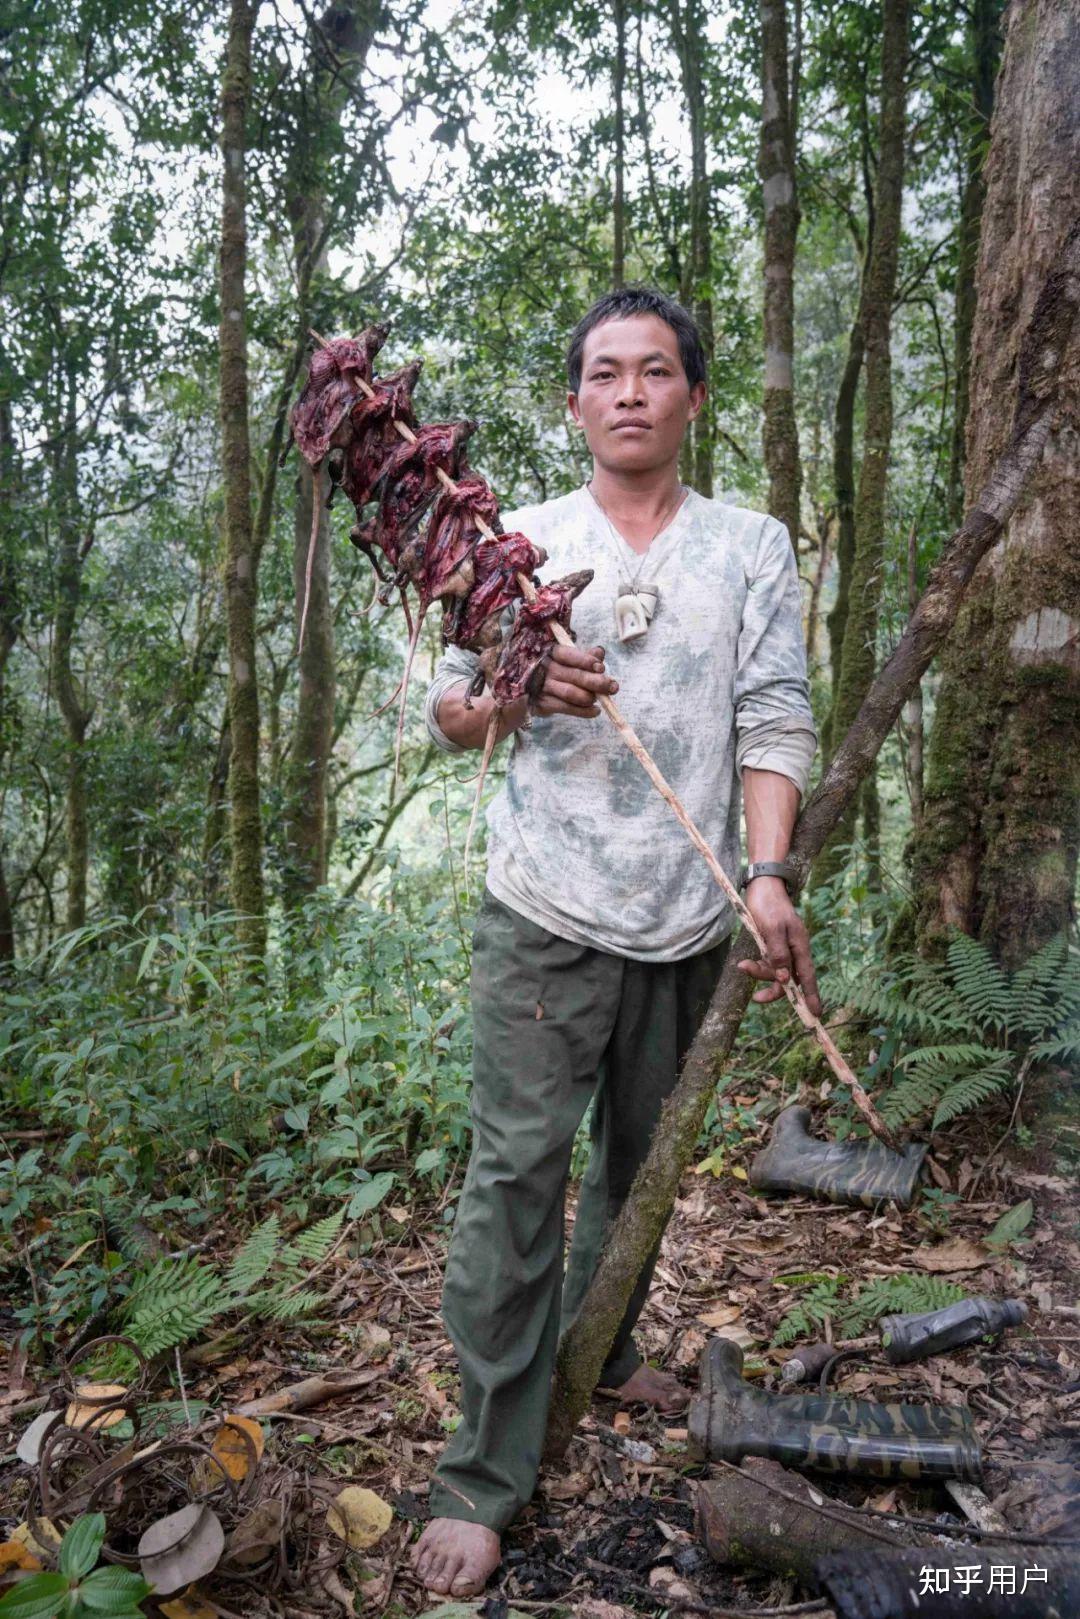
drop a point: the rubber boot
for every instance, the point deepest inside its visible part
(843, 1171)
(730, 1419)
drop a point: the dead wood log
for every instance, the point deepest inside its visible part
(1046, 356)
(936, 1583)
(312, 1391)
(762, 1516)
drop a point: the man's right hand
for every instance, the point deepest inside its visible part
(573, 679)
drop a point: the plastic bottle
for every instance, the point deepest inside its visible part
(913, 1337)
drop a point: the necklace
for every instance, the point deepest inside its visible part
(635, 604)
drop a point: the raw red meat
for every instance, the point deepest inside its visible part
(526, 652)
(331, 389)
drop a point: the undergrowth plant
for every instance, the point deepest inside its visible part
(851, 1309)
(958, 1033)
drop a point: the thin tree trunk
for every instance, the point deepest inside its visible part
(1049, 347)
(75, 711)
(688, 29)
(821, 568)
(246, 878)
(996, 855)
(780, 199)
(216, 825)
(858, 654)
(984, 44)
(912, 717)
(618, 208)
(10, 614)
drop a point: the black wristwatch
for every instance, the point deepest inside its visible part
(769, 868)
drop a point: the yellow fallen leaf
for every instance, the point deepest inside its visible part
(44, 1543)
(15, 1554)
(359, 1517)
(231, 1449)
(85, 1410)
(189, 1605)
(722, 1317)
(738, 1172)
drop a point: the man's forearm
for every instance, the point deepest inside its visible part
(468, 726)
(771, 804)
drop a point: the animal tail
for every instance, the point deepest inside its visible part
(489, 749)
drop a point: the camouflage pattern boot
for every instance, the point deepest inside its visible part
(843, 1171)
(730, 1419)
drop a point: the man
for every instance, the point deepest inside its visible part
(601, 934)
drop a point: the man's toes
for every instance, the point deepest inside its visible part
(468, 1582)
(440, 1574)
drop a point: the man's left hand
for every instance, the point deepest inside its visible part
(787, 943)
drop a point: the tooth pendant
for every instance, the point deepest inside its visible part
(634, 609)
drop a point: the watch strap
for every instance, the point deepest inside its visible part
(769, 868)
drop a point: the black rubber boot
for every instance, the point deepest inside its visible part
(843, 1171)
(730, 1419)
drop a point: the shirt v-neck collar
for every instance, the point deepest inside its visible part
(640, 563)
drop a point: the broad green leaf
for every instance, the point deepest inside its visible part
(370, 1195)
(113, 1590)
(82, 1545)
(1011, 1224)
(39, 1597)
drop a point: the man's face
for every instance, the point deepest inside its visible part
(634, 401)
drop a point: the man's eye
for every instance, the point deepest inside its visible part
(600, 376)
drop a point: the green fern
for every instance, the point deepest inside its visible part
(252, 1262)
(851, 1316)
(315, 1243)
(172, 1302)
(968, 1025)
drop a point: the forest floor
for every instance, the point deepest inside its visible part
(607, 1534)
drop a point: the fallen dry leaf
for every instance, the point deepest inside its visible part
(359, 1517)
(189, 1605)
(569, 1488)
(181, 1548)
(722, 1317)
(667, 1582)
(597, 1608)
(957, 1254)
(85, 1409)
(14, 1554)
(621, 1422)
(232, 1449)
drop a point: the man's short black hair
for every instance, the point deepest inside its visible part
(627, 301)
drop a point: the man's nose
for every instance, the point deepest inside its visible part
(630, 391)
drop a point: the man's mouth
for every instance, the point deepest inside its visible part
(619, 426)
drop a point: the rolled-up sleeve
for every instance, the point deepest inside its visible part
(774, 722)
(455, 668)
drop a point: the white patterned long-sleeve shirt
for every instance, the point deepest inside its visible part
(580, 841)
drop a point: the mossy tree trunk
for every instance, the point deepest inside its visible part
(618, 199)
(241, 587)
(338, 45)
(858, 653)
(10, 614)
(780, 434)
(996, 854)
(75, 708)
(1049, 351)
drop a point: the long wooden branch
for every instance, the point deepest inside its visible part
(630, 737)
(1045, 359)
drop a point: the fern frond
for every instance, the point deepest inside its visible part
(172, 1303)
(253, 1260)
(1061, 1046)
(982, 986)
(315, 1243)
(288, 1307)
(816, 1307)
(971, 1089)
(949, 1059)
(895, 1295)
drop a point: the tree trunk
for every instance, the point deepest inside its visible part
(246, 878)
(997, 852)
(777, 169)
(1050, 346)
(10, 613)
(346, 29)
(984, 44)
(688, 29)
(618, 206)
(216, 825)
(75, 711)
(858, 655)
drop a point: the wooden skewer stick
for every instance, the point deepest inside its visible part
(630, 737)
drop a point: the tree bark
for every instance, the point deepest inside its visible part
(858, 655)
(246, 877)
(996, 855)
(984, 46)
(346, 29)
(10, 614)
(76, 712)
(1049, 349)
(688, 29)
(780, 434)
(618, 205)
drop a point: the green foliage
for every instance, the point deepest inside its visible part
(79, 1589)
(964, 1031)
(853, 1310)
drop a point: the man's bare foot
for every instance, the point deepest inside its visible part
(455, 1558)
(647, 1386)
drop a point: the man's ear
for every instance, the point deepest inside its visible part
(697, 399)
(572, 407)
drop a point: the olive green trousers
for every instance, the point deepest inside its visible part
(555, 1025)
